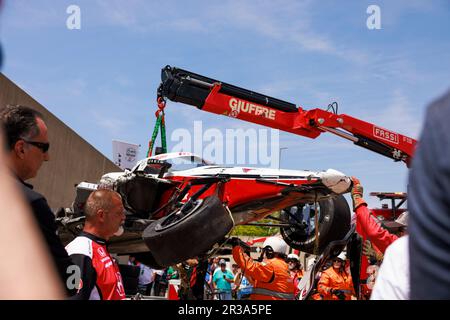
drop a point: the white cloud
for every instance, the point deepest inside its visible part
(393, 11)
(32, 16)
(400, 115)
(124, 81)
(188, 24)
(394, 66)
(114, 126)
(122, 14)
(75, 87)
(287, 22)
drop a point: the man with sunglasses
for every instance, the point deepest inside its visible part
(27, 150)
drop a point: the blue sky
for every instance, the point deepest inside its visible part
(101, 80)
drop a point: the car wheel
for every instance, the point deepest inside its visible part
(180, 236)
(334, 223)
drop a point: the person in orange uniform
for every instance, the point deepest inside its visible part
(295, 269)
(336, 283)
(272, 280)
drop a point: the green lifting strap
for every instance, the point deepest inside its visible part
(163, 133)
(160, 123)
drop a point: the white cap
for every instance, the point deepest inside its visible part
(342, 256)
(401, 221)
(293, 256)
(277, 244)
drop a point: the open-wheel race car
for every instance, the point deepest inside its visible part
(179, 206)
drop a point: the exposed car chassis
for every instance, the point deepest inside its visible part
(173, 215)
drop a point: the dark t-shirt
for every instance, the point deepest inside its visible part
(47, 224)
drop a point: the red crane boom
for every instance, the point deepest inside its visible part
(224, 99)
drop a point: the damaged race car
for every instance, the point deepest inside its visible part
(180, 206)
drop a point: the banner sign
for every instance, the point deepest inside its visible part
(125, 155)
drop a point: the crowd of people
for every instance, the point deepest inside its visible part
(86, 270)
(211, 280)
(152, 282)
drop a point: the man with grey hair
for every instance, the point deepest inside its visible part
(27, 149)
(100, 277)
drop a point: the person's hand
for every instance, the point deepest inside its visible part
(370, 252)
(338, 293)
(357, 193)
(368, 249)
(235, 241)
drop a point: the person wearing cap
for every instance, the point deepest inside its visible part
(222, 280)
(295, 269)
(399, 225)
(271, 277)
(336, 282)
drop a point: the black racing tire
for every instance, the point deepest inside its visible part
(334, 224)
(176, 238)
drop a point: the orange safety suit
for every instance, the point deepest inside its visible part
(272, 280)
(331, 279)
(296, 277)
(296, 274)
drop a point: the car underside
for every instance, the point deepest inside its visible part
(173, 215)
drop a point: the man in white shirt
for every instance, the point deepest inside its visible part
(392, 282)
(145, 278)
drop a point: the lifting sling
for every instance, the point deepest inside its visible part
(160, 123)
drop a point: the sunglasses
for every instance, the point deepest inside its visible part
(337, 260)
(44, 146)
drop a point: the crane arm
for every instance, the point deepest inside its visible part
(224, 99)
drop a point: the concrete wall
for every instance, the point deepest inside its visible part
(72, 159)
